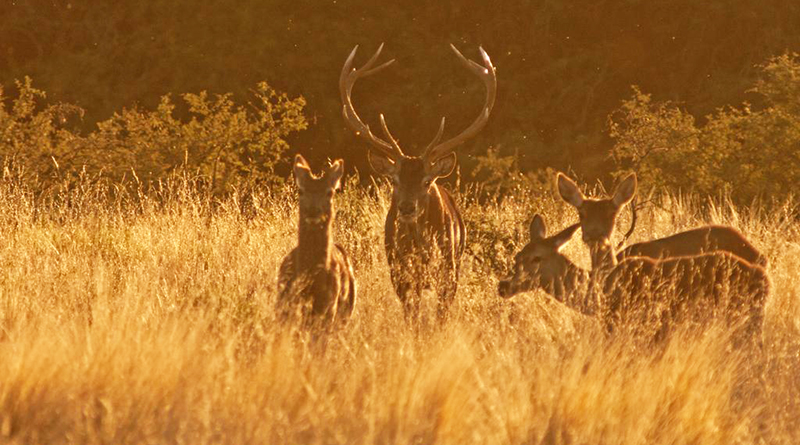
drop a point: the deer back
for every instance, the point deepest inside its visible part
(697, 241)
(649, 296)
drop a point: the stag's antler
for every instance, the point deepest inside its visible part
(347, 79)
(487, 73)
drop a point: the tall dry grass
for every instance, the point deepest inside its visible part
(150, 320)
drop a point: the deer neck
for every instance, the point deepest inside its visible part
(430, 214)
(573, 290)
(604, 259)
(433, 210)
(314, 245)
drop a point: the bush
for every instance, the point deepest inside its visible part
(499, 176)
(34, 139)
(222, 141)
(750, 154)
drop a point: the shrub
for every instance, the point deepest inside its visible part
(34, 138)
(222, 141)
(747, 153)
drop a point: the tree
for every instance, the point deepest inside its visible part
(745, 152)
(222, 141)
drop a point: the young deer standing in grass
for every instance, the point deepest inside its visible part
(597, 218)
(424, 235)
(643, 296)
(315, 280)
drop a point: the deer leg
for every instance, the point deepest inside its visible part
(446, 297)
(348, 298)
(411, 302)
(407, 280)
(408, 293)
(447, 287)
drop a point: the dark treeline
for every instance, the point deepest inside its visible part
(563, 66)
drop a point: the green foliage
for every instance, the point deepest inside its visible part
(562, 66)
(499, 176)
(499, 206)
(746, 153)
(222, 141)
(780, 82)
(654, 140)
(33, 137)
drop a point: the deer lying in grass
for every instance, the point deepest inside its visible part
(315, 280)
(701, 239)
(597, 218)
(424, 234)
(643, 296)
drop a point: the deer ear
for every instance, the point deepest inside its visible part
(382, 164)
(335, 173)
(569, 191)
(444, 166)
(538, 228)
(301, 170)
(626, 190)
(563, 236)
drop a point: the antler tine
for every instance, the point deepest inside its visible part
(388, 134)
(347, 79)
(367, 68)
(435, 138)
(472, 66)
(487, 74)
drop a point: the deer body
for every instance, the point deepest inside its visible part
(425, 253)
(315, 280)
(644, 296)
(696, 241)
(597, 218)
(690, 273)
(424, 231)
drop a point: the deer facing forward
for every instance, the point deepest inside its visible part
(424, 233)
(315, 280)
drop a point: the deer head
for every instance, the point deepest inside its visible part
(316, 192)
(540, 264)
(413, 177)
(597, 215)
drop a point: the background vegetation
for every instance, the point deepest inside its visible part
(136, 297)
(225, 143)
(127, 320)
(738, 151)
(563, 67)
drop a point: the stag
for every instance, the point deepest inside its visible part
(643, 296)
(598, 217)
(315, 280)
(424, 234)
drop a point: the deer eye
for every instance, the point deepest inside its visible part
(427, 183)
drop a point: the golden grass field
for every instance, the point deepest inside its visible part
(151, 321)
